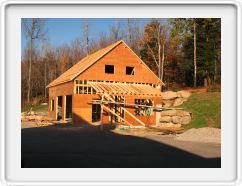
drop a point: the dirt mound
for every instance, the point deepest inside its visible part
(207, 135)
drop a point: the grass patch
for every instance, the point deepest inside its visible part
(37, 108)
(205, 109)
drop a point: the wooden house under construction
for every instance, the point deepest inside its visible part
(112, 85)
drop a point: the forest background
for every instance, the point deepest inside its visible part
(182, 52)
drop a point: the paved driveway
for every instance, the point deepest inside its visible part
(79, 146)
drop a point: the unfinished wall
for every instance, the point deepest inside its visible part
(82, 109)
(59, 90)
(149, 120)
(120, 57)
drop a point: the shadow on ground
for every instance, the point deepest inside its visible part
(80, 146)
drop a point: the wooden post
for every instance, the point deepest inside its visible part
(125, 110)
(102, 115)
(112, 112)
(56, 108)
(63, 108)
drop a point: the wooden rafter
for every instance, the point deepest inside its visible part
(125, 89)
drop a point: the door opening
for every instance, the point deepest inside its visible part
(59, 108)
(96, 112)
(68, 106)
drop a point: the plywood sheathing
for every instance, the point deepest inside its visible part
(88, 61)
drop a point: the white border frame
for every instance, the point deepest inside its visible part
(235, 3)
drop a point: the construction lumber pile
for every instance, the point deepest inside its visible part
(39, 118)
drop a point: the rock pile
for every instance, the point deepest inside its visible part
(173, 99)
(174, 118)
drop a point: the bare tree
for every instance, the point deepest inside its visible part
(116, 31)
(163, 40)
(134, 34)
(34, 30)
(104, 40)
(156, 35)
(47, 58)
(86, 34)
(195, 53)
(76, 51)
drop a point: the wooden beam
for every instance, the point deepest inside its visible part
(113, 89)
(120, 91)
(108, 88)
(145, 90)
(127, 88)
(96, 88)
(120, 103)
(136, 89)
(124, 89)
(125, 110)
(112, 112)
(100, 87)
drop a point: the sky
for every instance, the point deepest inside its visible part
(64, 30)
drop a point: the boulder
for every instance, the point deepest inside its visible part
(176, 119)
(165, 119)
(169, 125)
(183, 94)
(167, 103)
(168, 113)
(175, 113)
(185, 120)
(169, 95)
(182, 113)
(177, 102)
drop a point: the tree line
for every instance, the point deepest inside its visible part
(182, 52)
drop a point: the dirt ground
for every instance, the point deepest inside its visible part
(82, 146)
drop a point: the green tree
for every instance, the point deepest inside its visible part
(200, 45)
(184, 29)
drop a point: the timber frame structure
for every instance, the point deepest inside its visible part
(112, 85)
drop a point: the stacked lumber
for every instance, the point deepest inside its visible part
(35, 117)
